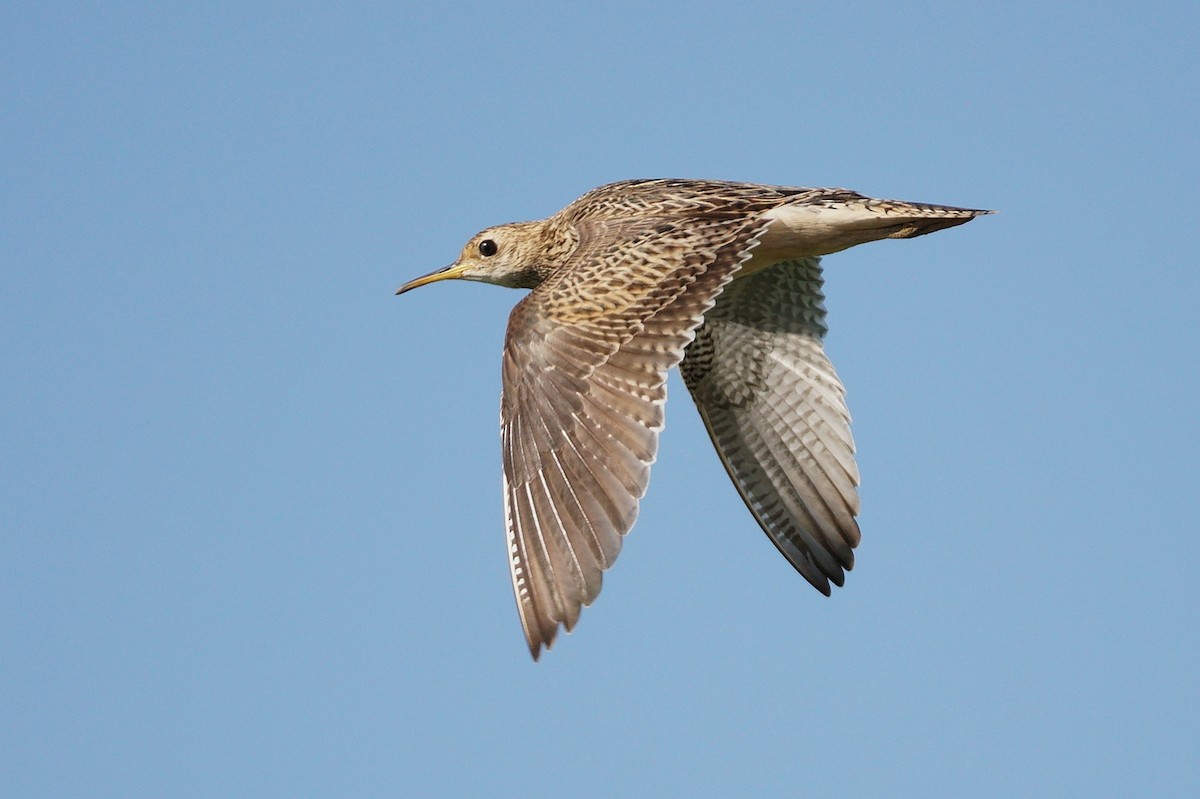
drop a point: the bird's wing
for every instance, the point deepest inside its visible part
(776, 411)
(585, 363)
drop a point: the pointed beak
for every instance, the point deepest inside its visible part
(448, 273)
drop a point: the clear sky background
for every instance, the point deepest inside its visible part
(251, 540)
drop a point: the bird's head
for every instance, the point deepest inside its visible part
(506, 255)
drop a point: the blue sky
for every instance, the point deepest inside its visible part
(251, 540)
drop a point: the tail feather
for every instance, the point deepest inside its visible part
(823, 227)
(923, 225)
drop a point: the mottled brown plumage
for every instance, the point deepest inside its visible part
(628, 281)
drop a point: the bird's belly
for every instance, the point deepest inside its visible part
(758, 262)
(804, 231)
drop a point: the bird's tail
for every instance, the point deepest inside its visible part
(843, 220)
(917, 219)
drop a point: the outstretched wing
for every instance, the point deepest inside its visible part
(776, 412)
(585, 363)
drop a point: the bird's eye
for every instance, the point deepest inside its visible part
(487, 247)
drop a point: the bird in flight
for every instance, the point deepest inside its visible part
(722, 279)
